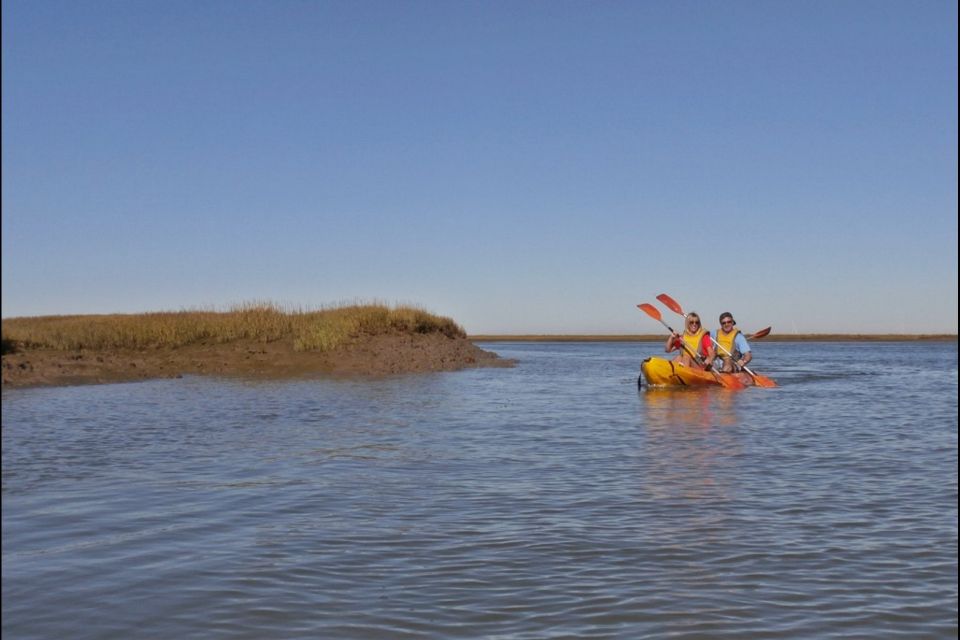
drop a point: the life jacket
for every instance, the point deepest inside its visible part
(696, 342)
(728, 342)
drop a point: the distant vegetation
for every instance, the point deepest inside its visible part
(316, 330)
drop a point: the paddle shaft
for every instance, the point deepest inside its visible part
(724, 349)
(683, 344)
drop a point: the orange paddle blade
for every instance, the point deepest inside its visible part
(729, 381)
(763, 333)
(762, 381)
(672, 304)
(650, 310)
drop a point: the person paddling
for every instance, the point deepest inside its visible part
(697, 341)
(733, 349)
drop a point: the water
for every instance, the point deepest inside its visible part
(553, 500)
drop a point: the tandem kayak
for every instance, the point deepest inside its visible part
(660, 372)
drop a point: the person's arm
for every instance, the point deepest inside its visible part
(673, 343)
(744, 348)
(709, 350)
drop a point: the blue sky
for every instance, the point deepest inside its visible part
(522, 167)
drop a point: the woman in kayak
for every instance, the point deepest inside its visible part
(733, 349)
(695, 339)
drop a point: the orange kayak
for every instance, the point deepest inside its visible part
(660, 372)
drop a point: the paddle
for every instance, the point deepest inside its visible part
(730, 382)
(761, 381)
(763, 333)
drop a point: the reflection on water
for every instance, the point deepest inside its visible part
(667, 408)
(549, 500)
(690, 443)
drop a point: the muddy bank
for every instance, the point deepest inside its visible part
(371, 356)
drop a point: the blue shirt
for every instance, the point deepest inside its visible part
(740, 344)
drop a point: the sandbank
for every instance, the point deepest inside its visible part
(369, 356)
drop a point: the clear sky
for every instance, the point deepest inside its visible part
(525, 166)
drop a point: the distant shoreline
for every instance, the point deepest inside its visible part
(795, 337)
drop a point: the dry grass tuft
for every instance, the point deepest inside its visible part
(318, 330)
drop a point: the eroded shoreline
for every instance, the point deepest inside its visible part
(369, 356)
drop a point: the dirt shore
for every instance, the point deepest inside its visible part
(373, 356)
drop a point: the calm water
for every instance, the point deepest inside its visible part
(553, 500)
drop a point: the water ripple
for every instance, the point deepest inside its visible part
(548, 501)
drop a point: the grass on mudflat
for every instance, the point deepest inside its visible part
(315, 330)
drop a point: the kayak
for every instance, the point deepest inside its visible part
(660, 372)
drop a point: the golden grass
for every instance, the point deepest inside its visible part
(314, 330)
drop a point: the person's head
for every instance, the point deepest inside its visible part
(693, 322)
(727, 321)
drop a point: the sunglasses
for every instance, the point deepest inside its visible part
(726, 322)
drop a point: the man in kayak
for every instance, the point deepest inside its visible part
(695, 339)
(732, 347)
